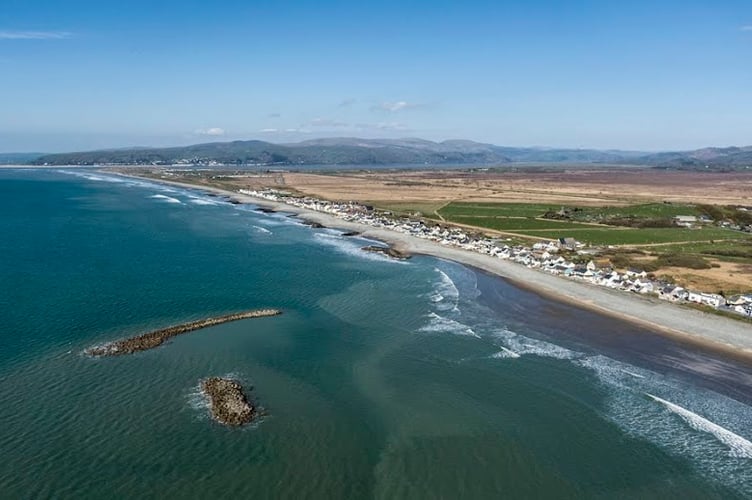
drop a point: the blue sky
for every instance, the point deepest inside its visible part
(649, 75)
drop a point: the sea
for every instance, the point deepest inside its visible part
(382, 378)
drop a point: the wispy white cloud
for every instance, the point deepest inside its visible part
(269, 130)
(391, 126)
(34, 35)
(214, 131)
(747, 27)
(383, 126)
(326, 122)
(395, 106)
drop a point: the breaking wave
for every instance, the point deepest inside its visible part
(708, 434)
(351, 247)
(166, 198)
(738, 446)
(505, 353)
(521, 346)
(260, 229)
(445, 294)
(442, 324)
(202, 201)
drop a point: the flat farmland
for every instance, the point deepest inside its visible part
(583, 187)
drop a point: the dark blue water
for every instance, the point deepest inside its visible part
(383, 379)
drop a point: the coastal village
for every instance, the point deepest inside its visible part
(564, 257)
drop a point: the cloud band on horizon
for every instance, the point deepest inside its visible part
(34, 35)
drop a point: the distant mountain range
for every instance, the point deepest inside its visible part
(18, 158)
(353, 151)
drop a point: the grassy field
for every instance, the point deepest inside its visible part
(524, 219)
(425, 209)
(517, 223)
(619, 236)
(648, 210)
(729, 251)
(457, 209)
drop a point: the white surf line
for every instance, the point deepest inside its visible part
(438, 323)
(740, 447)
(506, 353)
(168, 199)
(260, 229)
(635, 375)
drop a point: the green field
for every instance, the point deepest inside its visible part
(517, 223)
(731, 251)
(524, 219)
(618, 236)
(426, 209)
(495, 210)
(648, 210)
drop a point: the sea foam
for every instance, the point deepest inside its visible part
(445, 294)
(522, 345)
(260, 229)
(202, 201)
(738, 446)
(352, 247)
(438, 323)
(711, 445)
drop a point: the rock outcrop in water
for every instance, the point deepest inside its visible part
(388, 251)
(315, 225)
(227, 402)
(158, 337)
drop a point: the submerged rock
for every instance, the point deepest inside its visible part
(313, 224)
(388, 251)
(227, 402)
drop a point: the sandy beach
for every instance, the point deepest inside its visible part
(690, 325)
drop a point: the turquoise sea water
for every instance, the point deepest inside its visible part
(382, 379)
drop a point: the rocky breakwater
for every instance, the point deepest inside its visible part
(227, 402)
(158, 337)
(388, 251)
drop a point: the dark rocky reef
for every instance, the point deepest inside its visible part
(227, 402)
(158, 337)
(388, 251)
(351, 233)
(314, 225)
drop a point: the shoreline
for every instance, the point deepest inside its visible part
(689, 325)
